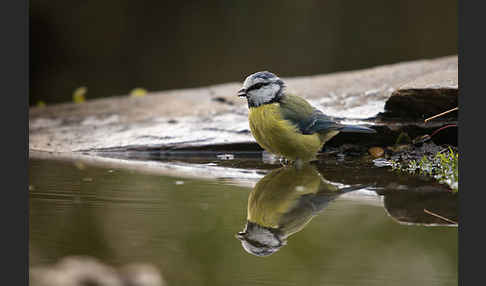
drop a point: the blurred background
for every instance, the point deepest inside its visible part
(112, 47)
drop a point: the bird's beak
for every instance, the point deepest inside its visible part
(241, 235)
(242, 92)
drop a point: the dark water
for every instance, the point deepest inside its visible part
(188, 228)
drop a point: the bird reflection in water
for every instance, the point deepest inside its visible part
(282, 203)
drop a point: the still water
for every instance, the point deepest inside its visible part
(292, 228)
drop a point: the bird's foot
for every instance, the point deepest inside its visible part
(284, 161)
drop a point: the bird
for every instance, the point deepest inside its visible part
(286, 124)
(282, 203)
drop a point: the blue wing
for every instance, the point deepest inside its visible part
(321, 122)
(310, 120)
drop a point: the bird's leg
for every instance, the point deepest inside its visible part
(283, 161)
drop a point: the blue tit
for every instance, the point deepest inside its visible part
(286, 124)
(282, 203)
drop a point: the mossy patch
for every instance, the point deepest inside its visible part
(442, 166)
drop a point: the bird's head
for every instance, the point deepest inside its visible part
(262, 88)
(259, 240)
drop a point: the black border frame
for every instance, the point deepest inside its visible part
(14, 28)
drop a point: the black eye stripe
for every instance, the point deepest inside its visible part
(257, 86)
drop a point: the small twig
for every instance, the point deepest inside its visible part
(442, 128)
(439, 216)
(440, 114)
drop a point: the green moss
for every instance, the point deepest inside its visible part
(443, 167)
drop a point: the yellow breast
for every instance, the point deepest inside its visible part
(276, 195)
(279, 136)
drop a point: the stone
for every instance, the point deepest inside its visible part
(392, 98)
(424, 96)
(86, 270)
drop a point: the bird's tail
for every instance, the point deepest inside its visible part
(356, 129)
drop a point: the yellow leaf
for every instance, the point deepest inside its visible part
(41, 103)
(138, 92)
(78, 94)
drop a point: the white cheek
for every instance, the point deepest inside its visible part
(264, 94)
(268, 92)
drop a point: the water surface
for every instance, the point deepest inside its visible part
(188, 228)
